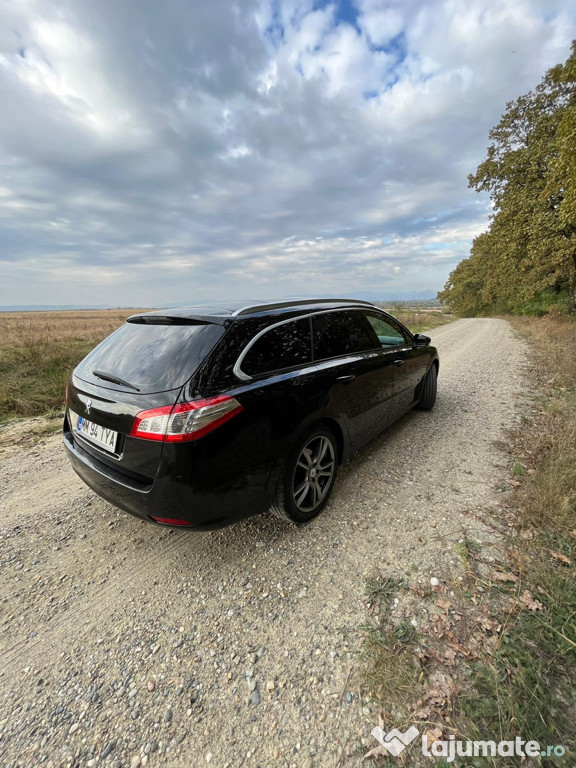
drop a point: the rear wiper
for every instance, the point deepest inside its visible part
(114, 379)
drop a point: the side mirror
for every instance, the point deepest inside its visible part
(421, 341)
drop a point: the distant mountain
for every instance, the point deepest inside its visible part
(374, 296)
(402, 296)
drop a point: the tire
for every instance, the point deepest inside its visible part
(302, 490)
(429, 387)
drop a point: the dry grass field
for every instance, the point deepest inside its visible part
(39, 349)
(31, 328)
(421, 320)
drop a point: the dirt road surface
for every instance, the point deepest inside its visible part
(123, 644)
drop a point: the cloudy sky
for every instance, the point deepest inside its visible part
(165, 152)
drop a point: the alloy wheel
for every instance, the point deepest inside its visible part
(313, 473)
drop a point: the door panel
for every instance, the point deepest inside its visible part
(362, 386)
(408, 376)
(409, 364)
(359, 374)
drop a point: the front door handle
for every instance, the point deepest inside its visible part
(346, 379)
(399, 362)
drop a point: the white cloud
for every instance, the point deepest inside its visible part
(186, 151)
(381, 26)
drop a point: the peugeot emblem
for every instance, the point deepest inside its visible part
(88, 405)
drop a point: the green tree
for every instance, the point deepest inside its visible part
(529, 251)
(562, 177)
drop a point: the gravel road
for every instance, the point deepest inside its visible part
(123, 644)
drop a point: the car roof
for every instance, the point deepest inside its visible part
(240, 309)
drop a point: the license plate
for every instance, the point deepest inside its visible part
(102, 436)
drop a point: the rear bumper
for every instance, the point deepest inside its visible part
(166, 496)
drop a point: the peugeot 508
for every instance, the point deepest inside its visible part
(201, 416)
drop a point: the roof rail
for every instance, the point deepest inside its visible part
(250, 308)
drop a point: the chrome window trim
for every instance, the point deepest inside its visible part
(237, 370)
(240, 374)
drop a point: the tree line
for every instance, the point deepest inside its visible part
(526, 262)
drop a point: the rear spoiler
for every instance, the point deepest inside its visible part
(150, 319)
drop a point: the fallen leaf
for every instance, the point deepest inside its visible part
(460, 648)
(438, 692)
(504, 576)
(433, 735)
(530, 603)
(560, 556)
(439, 628)
(378, 751)
(444, 604)
(490, 625)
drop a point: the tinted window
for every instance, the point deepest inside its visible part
(341, 333)
(286, 346)
(152, 358)
(389, 335)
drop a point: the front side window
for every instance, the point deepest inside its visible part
(341, 333)
(389, 335)
(286, 346)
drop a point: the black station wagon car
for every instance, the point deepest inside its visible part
(205, 415)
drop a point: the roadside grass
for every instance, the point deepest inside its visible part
(514, 677)
(529, 680)
(39, 349)
(389, 671)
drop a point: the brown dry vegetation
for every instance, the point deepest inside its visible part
(39, 349)
(32, 328)
(548, 496)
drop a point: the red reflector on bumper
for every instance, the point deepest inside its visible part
(169, 521)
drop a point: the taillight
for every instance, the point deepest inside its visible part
(186, 421)
(67, 385)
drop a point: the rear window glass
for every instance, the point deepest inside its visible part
(152, 358)
(286, 346)
(341, 333)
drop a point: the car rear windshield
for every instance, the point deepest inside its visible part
(150, 357)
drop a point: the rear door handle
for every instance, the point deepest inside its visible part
(399, 362)
(346, 379)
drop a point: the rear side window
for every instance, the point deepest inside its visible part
(341, 333)
(286, 346)
(151, 358)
